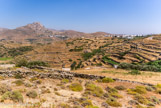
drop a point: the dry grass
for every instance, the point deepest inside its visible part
(146, 77)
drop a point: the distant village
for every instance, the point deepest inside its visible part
(109, 35)
(127, 36)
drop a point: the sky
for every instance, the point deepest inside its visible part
(112, 16)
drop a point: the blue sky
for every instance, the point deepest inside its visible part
(113, 16)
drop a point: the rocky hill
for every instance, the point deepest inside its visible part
(38, 33)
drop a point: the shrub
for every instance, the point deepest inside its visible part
(134, 72)
(65, 81)
(149, 88)
(106, 80)
(21, 62)
(4, 88)
(33, 79)
(91, 106)
(76, 87)
(89, 55)
(45, 91)
(139, 106)
(18, 76)
(16, 96)
(158, 85)
(37, 63)
(131, 91)
(85, 102)
(76, 49)
(31, 94)
(57, 93)
(109, 60)
(141, 99)
(142, 67)
(154, 99)
(70, 60)
(113, 102)
(73, 65)
(137, 90)
(63, 105)
(19, 51)
(28, 85)
(18, 82)
(94, 90)
(116, 95)
(140, 89)
(111, 90)
(30, 64)
(120, 87)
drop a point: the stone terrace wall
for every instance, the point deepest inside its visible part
(58, 74)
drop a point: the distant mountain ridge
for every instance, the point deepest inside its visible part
(38, 31)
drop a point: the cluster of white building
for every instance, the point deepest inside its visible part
(124, 36)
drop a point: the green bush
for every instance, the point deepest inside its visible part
(141, 99)
(19, 51)
(19, 82)
(21, 62)
(76, 87)
(149, 88)
(105, 80)
(137, 90)
(109, 60)
(16, 96)
(31, 94)
(76, 49)
(140, 106)
(37, 63)
(142, 67)
(113, 102)
(30, 64)
(65, 81)
(89, 55)
(134, 72)
(18, 76)
(94, 90)
(73, 65)
(85, 102)
(154, 100)
(91, 106)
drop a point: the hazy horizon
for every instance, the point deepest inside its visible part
(111, 16)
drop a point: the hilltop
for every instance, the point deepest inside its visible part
(38, 33)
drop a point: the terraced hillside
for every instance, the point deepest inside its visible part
(83, 52)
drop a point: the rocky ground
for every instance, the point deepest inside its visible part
(19, 91)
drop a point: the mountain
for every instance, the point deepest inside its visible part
(37, 33)
(34, 31)
(3, 29)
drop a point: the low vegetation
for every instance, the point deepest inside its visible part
(15, 96)
(19, 51)
(31, 94)
(105, 80)
(30, 64)
(109, 60)
(113, 102)
(94, 90)
(137, 90)
(76, 87)
(89, 55)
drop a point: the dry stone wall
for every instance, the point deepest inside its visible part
(59, 74)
